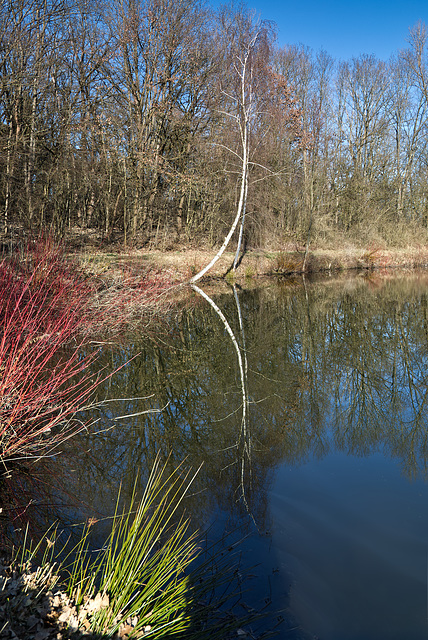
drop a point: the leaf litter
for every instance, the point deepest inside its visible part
(34, 607)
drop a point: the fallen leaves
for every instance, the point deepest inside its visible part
(34, 607)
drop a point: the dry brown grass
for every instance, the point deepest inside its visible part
(180, 265)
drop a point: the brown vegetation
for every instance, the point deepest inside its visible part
(179, 266)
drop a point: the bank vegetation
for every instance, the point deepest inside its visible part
(154, 574)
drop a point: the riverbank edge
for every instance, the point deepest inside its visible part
(184, 263)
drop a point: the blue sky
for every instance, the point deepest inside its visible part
(344, 29)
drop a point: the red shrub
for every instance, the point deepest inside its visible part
(43, 303)
(47, 305)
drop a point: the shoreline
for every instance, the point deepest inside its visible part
(182, 264)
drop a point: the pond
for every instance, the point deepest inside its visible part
(306, 402)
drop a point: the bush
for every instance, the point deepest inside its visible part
(43, 307)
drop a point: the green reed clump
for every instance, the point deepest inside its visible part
(149, 579)
(141, 570)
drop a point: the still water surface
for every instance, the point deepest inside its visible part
(312, 428)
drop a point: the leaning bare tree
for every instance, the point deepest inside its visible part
(248, 59)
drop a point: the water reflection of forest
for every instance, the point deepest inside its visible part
(329, 365)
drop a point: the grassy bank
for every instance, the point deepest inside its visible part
(181, 264)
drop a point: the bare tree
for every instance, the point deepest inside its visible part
(162, 81)
(365, 131)
(244, 92)
(408, 107)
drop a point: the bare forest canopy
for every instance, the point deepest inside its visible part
(132, 117)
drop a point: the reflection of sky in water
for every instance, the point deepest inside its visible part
(352, 538)
(336, 429)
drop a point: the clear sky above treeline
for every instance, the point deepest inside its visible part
(343, 28)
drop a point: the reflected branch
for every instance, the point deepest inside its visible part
(245, 438)
(234, 341)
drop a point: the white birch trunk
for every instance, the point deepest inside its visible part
(243, 119)
(241, 230)
(239, 211)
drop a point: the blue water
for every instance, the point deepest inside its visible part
(328, 471)
(350, 537)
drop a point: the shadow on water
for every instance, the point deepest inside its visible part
(307, 405)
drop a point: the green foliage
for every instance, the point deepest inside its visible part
(249, 272)
(142, 567)
(150, 577)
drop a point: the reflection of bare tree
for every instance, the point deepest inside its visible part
(243, 444)
(310, 358)
(310, 369)
(246, 440)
